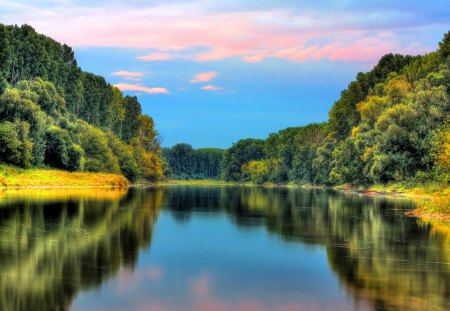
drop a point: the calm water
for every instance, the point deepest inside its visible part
(218, 248)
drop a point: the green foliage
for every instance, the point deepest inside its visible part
(15, 147)
(184, 162)
(147, 135)
(57, 149)
(441, 151)
(132, 120)
(9, 144)
(44, 96)
(76, 158)
(256, 171)
(390, 125)
(444, 46)
(98, 156)
(48, 97)
(240, 154)
(149, 162)
(124, 153)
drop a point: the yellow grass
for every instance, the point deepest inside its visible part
(13, 177)
(56, 194)
(199, 182)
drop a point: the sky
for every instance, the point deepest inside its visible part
(213, 72)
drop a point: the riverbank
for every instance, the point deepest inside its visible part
(13, 177)
(199, 182)
(433, 199)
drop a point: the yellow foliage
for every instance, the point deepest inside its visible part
(355, 131)
(441, 148)
(397, 89)
(371, 108)
(444, 154)
(368, 153)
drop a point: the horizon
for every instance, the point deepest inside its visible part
(261, 71)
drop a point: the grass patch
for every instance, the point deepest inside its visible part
(431, 189)
(438, 205)
(199, 182)
(14, 177)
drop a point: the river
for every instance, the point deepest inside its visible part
(218, 248)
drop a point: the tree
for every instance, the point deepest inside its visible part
(124, 153)
(256, 171)
(132, 121)
(15, 148)
(57, 150)
(147, 134)
(444, 46)
(98, 156)
(239, 154)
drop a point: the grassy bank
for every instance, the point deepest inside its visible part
(13, 177)
(433, 199)
(199, 182)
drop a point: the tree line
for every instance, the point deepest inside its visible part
(185, 162)
(390, 125)
(53, 114)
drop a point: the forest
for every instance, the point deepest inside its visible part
(53, 114)
(184, 162)
(390, 125)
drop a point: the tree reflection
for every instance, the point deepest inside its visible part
(55, 244)
(396, 262)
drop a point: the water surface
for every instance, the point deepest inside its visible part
(218, 248)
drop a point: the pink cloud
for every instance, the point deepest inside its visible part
(204, 77)
(211, 88)
(132, 78)
(249, 35)
(141, 88)
(128, 74)
(157, 56)
(256, 58)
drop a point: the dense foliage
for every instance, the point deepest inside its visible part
(184, 162)
(54, 114)
(390, 125)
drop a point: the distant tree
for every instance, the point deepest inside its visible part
(132, 120)
(240, 154)
(444, 46)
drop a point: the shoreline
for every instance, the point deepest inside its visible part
(37, 178)
(12, 178)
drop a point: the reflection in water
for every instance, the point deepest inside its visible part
(53, 247)
(397, 263)
(56, 245)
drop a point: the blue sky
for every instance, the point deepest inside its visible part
(212, 73)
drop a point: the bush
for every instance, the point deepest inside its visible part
(15, 146)
(124, 152)
(98, 156)
(76, 158)
(57, 149)
(9, 144)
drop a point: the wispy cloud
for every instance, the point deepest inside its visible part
(128, 74)
(211, 88)
(141, 88)
(157, 56)
(295, 32)
(204, 77)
